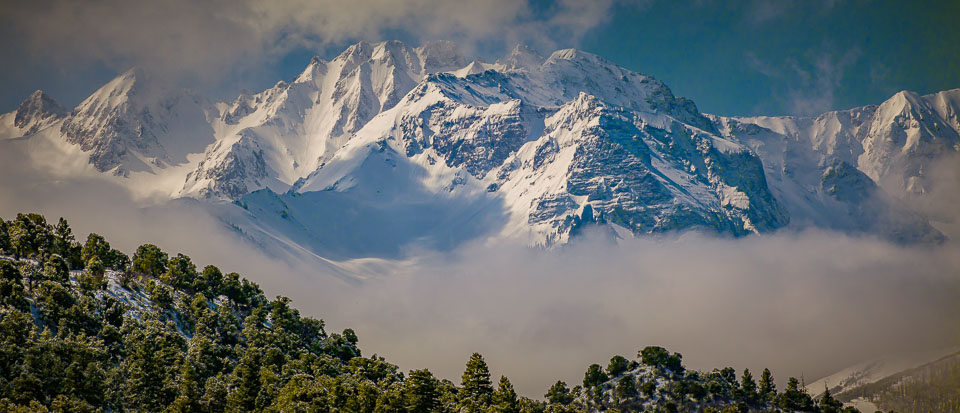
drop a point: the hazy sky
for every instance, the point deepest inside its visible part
(732, 58)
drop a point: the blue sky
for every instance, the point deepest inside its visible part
(747, 57)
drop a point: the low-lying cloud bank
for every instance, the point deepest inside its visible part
(806, 303)
(801, 304)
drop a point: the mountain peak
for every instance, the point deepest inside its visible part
(441, 56)
(316, 67)
(37, 111)
(523, 57)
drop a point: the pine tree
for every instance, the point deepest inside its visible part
(420, 392)
(56, 270)
(505, 397)
(96, 247)
(149, 260)
(618, 365)
(92, 279)
(210, 280)
(4, 237)
(181, 273)
(63, 239)
(11, 286)
(794, 397)
(748, 387)
(768, 389)
(476, 388)
(559, 394)
(828, 404)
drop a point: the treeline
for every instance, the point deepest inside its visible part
(75, 336)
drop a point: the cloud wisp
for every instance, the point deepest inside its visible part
(208, 40)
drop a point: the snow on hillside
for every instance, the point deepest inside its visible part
(875, 370)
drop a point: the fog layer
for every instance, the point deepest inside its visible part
(806, 303)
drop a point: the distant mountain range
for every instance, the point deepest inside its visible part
(388, 146)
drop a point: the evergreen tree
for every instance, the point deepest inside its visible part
(794, 397)
(29, 235)
(594, 377)
(4, 237)
(96, 247)
(559, 394)
(476, 388)
(626, 392)
(11, 287)
(748, 387)
(155, 349)
(210, 280)
(118, 260)
(92, 279)
(505, 398)
(660, 357)
(63, 240)
(828, 404)
(617, 366)
(420, 392)
(56, 270)
(768, 389)
(149, 260)
(181, 273)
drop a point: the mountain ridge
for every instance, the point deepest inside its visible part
(627, 154)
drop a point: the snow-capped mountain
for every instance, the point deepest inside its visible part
(135, 124)
(37, 112)
(850, 169)
(273, 138)
(388, 145)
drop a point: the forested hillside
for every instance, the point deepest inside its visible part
(934, 387)
(85, 327)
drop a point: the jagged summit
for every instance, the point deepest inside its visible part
(135, 123)
(36, 112)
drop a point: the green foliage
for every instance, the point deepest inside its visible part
(660, 357)
(210, 281)
(617, 366)
(181, 273)
(767, 389)
(118, 260)
(795, 398)
(65, 245)
(4, 238)
(30, 236)
(421, 392)
(748, 387)
(11, 286)
(96, 247)
(92, 279)
(149, 260)
(505, 398)
(56, 269)
(477, 390)
(559, 394)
